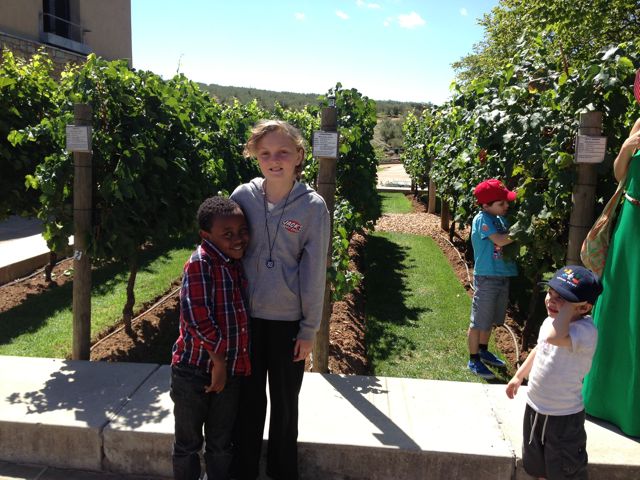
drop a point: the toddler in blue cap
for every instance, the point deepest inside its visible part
(554, 444)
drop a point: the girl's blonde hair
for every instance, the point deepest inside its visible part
(263, 127)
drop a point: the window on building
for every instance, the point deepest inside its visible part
(60, 17)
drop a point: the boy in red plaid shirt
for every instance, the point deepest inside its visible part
(211, 355)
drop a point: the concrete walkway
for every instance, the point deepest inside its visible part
(12, 471)
(117, 418)
(393, 175)
(22, 248)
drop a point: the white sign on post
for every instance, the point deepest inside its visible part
(78, 139)
(325, 144)
(590, 149)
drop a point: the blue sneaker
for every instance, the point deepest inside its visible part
(480, 369)
(490, 359)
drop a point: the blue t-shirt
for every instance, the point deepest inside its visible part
(486, 254)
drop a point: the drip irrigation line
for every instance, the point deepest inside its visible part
(515, 344)
(461, 259)
(513, 336)
(37, 272)
(119, 329)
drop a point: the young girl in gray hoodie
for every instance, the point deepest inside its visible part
(285, 265)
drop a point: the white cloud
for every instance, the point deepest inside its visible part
(411, 20)
(464, 12)
(362, 3)
(342, 15)
(387, 21)
(299, 16)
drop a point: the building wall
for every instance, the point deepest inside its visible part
(25, 48)
(21, 18)
(108, 22)
(110, 25)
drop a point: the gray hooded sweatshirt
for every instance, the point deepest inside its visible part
(293, 288)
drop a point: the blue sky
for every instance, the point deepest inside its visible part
(387, 49)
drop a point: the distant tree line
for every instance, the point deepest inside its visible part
(267, 99)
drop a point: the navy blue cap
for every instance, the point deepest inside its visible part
(576, 284)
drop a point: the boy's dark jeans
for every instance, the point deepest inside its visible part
(193, 409)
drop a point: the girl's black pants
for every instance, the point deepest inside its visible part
(272, 344)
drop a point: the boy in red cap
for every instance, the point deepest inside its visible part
(554, 439)
(489, 233)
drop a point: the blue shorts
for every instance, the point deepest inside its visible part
(490, 301)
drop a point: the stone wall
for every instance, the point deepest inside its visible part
(26, 48)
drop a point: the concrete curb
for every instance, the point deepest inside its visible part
(117, 418)
(23, 249)
(22, 268)
(54, 411)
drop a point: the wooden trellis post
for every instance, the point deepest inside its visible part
(327, 160)
(432, 197)
(584, 191)
(444, 215)
(79, 142)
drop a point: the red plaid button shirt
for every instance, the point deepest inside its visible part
(212, 312)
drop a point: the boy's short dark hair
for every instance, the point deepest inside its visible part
(214, 207)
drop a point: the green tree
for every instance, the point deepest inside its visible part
(519, 125)
(390, 131)
(570, 33)
(28, 94)
(153, 161)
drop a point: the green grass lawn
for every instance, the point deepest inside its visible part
(42, 325)
(417, 310)
(395, 202)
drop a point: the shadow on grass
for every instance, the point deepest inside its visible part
(385, 284)
(29, 316)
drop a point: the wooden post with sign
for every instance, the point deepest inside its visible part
(589, 151)
(327, 161)
(79, 142)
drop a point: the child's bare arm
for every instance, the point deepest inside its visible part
(521, 374)
(501, 239)
(559, 332)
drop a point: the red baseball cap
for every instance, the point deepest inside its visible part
(492, 190)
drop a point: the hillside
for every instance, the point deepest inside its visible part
(267, 98)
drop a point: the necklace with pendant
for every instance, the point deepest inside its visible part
(270, 263)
